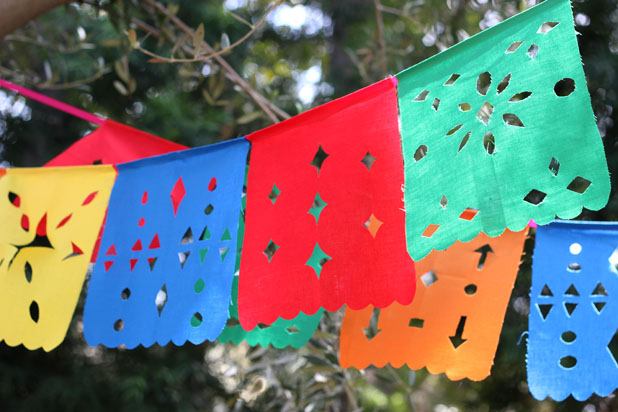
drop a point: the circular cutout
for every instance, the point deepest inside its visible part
(124, 295)
(564, 87)
(568, 362)
(199, 286)
(118, 325)
(196, 319)
(575, 248)
(470, 289)
(568, 336)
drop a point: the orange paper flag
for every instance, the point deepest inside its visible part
(453, 324)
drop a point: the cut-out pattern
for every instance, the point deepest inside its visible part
(113, 143)
(163, 305)
(361, 269)
(572, 342)
(50, 221)
(459, 338)
(535, 103)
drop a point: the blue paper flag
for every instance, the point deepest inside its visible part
(166, 263)
(573, 344)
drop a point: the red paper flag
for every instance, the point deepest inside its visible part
(325, 187)
(114, 143)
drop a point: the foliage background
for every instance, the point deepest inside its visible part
(306, 53)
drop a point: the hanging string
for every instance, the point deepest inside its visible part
(48, 101)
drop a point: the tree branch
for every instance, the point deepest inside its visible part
(380, 27)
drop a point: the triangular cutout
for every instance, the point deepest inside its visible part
(203, 253)
(571, 291)
(546, 291)
(599, 290)
(544, 310)
(598, 306)
(226, 235)
(187, 237)
(154, 243)
(151, 263)
(223, 252)
(570, 307)
(182, 257)
(205, 234)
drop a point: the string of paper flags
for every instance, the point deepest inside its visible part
(196, 245)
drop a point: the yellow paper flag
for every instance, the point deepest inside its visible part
(49, 221)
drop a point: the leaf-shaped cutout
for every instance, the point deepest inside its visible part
(547, 27)
(503, 84)
(483, 83)
(519, 97)
(451, 80)
(454, 130)
(513, 47)
(28, 272)
(512, 120)
(489, 143)
(464, 141)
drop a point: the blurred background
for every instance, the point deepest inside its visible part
(133, 61)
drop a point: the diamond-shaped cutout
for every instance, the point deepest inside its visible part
(368, 160)
(547, 27)
(599, 290)
(292, 329)
(468, 214)
(485, 112)
(570, 308)
(571, 291)
(598, 306)
(429, 278)
(535, 197)
(182, 258)
(579, 185)
(546, 291)
(532, 51)
(187, 237)
(317, 206)
(270, 250)
(223, 252)
(178, 193)
(373, 225)
(319, 158)
(161, 299)
(435, 104)
(554, 166)
(205, 233)
(317, 260)
(371, 331)
(544, 310)
(274, 194)
(430, 230)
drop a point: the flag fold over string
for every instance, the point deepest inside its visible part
(453, 324)
(49, 219)
(326, 186)
(166, 261)
(573, 322)
(498, 130)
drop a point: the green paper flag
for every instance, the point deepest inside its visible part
(498, 130)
